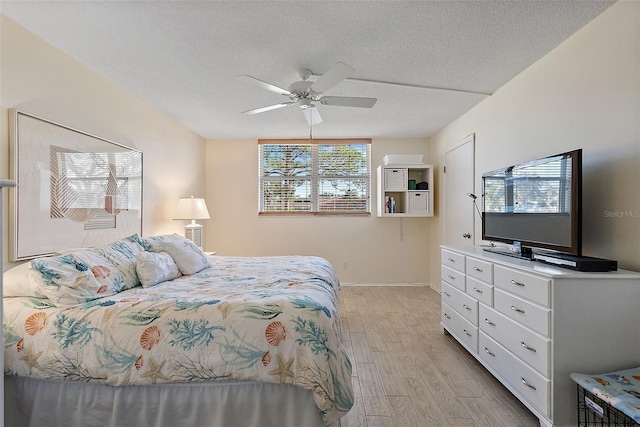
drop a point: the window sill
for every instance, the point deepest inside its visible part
(368, 214)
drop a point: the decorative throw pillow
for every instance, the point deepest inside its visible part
(153, 243)
(17, 282)
(155, 267)
(76, 277)
(122, 255)
(189, 258)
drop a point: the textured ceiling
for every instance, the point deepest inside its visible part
(183, 56)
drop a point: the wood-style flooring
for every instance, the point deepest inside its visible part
(406, 372)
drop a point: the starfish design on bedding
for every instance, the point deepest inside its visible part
(284, 368)
(154, 373)
(31, 357)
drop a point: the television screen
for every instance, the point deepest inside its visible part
(536, 203)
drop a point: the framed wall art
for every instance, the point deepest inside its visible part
(74, 189)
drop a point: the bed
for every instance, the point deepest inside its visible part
(153, 332)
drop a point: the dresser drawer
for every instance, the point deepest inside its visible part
(528, 346)
(481, 270)
(534, 288)
(523, 311)
(453, 260)
(460, 328)
(480, 290)
(452, 277)
(460, 302)
(528, 384)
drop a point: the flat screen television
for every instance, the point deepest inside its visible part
(537, 203)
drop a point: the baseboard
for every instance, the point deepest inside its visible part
(384, 284)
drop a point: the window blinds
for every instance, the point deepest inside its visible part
(319, 177)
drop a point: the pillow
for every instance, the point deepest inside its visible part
(153, 243)
(76, 277)
(189, 258)
(17, 282)
(122, 255)
(154, 268)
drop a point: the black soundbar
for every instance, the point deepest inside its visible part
(579, 263)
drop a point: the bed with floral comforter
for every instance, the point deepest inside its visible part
(271, 319)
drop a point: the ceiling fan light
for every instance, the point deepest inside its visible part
(312, 115)
(305, 103)
(304, 74)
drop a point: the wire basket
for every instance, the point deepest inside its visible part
(593, 411)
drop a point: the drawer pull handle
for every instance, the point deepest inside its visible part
(451, 260)
(447, 316)
(452, 277)
(479, 270)
(477, 290)
(466, 307)
(522, 343)
(519, 310)
(527, 384)
(489, 322)
(447, 293)
(517, 283)
(466, 333)
(486, 350)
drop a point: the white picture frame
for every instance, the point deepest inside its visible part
(74, 189)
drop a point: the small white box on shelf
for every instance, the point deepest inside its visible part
(418, 202)
(403, 159)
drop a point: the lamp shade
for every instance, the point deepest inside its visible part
(191, 208)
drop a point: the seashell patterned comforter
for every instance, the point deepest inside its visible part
(271, 319)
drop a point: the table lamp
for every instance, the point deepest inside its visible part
(192, 208)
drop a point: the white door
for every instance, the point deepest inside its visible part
(459, 212)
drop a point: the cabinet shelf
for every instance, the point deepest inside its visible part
(406, 200)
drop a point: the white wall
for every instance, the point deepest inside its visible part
(373, 248)
(583, 94)
(39, 79)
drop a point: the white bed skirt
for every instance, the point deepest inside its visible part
(36, 402)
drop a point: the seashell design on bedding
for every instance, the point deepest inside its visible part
(35, 322)
(150, 337)
(139, 363)
(228, 321)
(225, 308)
(134, 301)
(266, 359)
(100, 271)
(275, 333)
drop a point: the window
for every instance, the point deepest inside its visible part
(314, 177)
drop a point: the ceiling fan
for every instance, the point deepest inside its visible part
(306, 94)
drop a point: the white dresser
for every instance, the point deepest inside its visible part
(531, 324)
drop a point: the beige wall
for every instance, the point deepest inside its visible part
(41, 80)
(583, 94)
(376, 250)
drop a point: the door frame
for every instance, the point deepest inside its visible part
(466, 140)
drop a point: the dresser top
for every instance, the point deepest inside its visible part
(537, 267)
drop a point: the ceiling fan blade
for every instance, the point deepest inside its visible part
(312, 115)
(263, 84)
(268, 108)
(348, 101)
(332, 77)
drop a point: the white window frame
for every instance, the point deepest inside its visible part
(314, 177)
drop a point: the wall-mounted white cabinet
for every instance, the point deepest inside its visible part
(405, 190)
